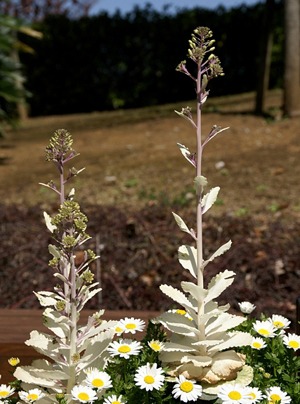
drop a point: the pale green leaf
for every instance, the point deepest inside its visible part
(185, 151)
(28, 374)
(47, 298)
(218, 284)
(56, 322)
(187, 256)
(49, 225)
(176, 295)
(181, 223)
(222, 323)
(89, 331)
(195, 291)
(44, 344)
(38, 340)
(96, 350)
(54, 251)
(209, 199)
(237, 339)
(219, 252)
(178, 326)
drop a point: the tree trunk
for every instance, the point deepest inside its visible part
(292, 58)
(265, 57)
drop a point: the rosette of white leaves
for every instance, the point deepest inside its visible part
(92, 341)
(201, 345)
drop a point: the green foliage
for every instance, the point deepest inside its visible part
(275, 364)
(10, 71)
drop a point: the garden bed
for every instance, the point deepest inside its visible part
(139, 252)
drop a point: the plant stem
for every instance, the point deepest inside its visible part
(199, 195)
(73, 327)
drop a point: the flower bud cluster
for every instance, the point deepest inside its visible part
(60, 147)
(70, 222)
(201, 44)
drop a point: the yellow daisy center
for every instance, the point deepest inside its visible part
(256, 344)
(274, 398)
(180, 311)
(32, 397)
(278, 324)
(263, 331)
(130, 326)
(14, 361)
(149, 379)
(124, 349)
(83, 396)
(155, 346)
(294, 344)
(186, 386)
(116, 402)
(4, 393)
(97, 383)
(252, 395)
(118, 329)
(235, 395)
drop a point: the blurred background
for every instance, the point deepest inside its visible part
(76, 56)
(106, 71)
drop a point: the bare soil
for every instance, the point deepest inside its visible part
(134, 178)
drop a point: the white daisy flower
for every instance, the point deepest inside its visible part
(292, 341)
(186, 390)
(132, 325)
(89, 370)
(149, 377)
(233, 394)
(280, 322)
(6, 391)
(265, 328)
(275, 395)
(182, 312)
(14, 361)
(124, 348)
(258, 343)
(246, 307)
(114, 400)
(254, 394)
(84, 394)
(156, 345)
(119, 329)
(99, 380)
(31, 396)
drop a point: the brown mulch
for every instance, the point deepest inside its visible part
(138, 253)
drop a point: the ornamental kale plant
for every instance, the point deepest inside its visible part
(197, 351)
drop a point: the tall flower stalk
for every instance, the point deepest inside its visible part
(72, 348)
(202, 339)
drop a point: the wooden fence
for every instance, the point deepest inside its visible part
(16, 325)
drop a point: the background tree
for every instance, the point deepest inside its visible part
(292, 58)
(37, 10)
(11, 90)
(264, 65)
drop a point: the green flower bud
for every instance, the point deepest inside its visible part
(60, 305)
(88, 276)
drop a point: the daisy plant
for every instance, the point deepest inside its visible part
(274, 356)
